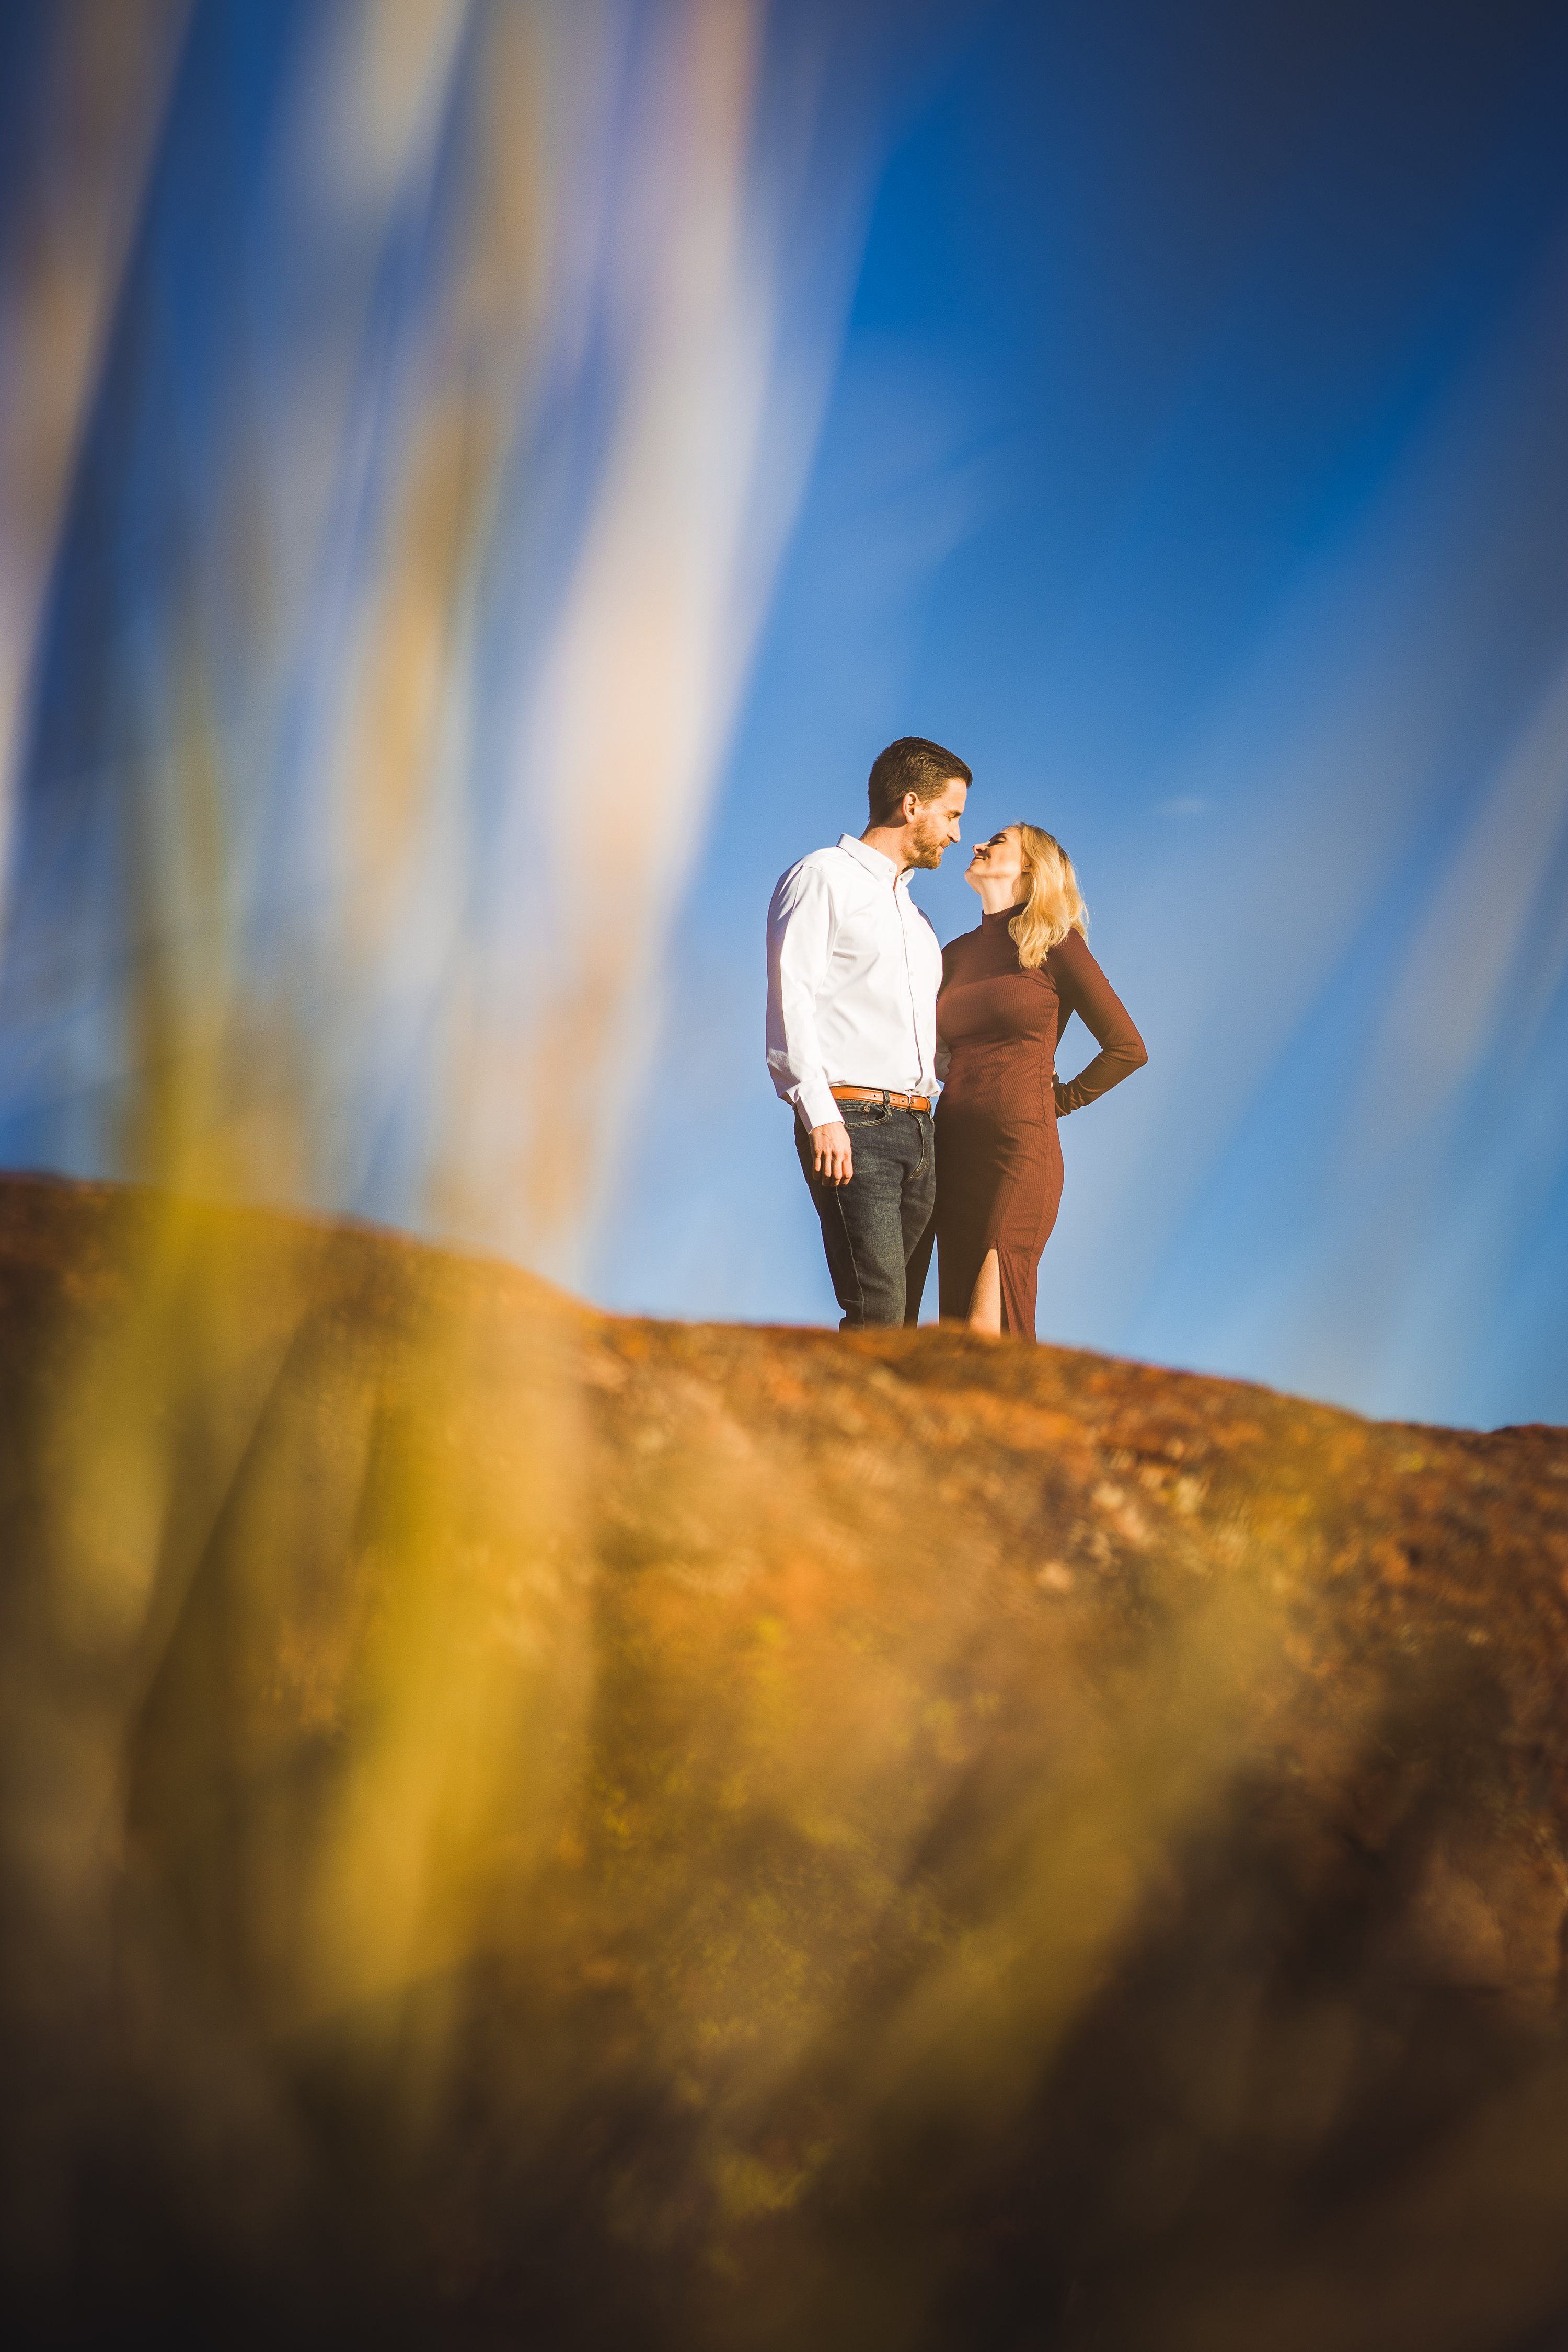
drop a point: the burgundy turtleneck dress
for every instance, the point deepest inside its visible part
(998, 1162)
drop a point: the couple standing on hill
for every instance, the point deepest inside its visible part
(866, 1015)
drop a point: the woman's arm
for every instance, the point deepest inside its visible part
(1082, 988)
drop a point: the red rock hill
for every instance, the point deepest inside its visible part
(528, 1829)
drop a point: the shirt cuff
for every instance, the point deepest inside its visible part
(814, 1103)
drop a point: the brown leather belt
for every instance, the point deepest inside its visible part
(880, 1094)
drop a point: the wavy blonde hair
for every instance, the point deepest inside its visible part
(1055, 904)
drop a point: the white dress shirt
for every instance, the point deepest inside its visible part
(853, 971)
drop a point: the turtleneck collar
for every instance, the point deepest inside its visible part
(1003, 915)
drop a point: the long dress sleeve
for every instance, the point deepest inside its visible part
(1083, 989)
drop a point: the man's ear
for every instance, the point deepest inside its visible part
(911, 805)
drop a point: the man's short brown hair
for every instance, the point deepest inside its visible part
(913, 764)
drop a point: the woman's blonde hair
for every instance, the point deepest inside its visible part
(1054, 907)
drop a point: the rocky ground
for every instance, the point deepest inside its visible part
(526, 1829)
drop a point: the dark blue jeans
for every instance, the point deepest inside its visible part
(877, 1229)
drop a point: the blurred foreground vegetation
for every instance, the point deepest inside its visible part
(527, 1829)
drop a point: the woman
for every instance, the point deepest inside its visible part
(1008, 990)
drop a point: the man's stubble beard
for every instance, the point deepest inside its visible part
(928, 849)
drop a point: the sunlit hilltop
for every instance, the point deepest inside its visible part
(526, 1827)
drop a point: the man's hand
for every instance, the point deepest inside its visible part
(832, 1160)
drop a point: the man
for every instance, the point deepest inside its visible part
(853, 971)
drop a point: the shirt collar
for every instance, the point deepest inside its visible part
(873, 860)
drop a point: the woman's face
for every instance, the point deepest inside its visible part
(1000, 859)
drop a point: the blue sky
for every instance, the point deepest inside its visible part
(1162, 406)
(1193, 469)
